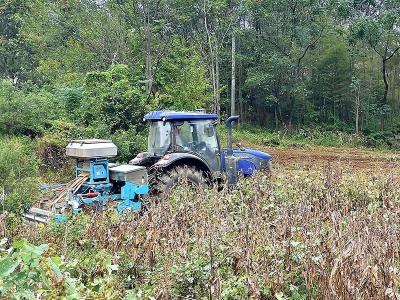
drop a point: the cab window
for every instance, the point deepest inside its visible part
(195, 136)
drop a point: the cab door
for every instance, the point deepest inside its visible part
(207, 145)
(199, 137)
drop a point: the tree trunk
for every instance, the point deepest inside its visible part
(385, 82)
(240, 75)
(291, 110)
(240, 97)
(212, 73)
(385, 93)
(213, 62)
(233, 79)
(357, 110)
(217, 84)
(147, 33)
(385, 58)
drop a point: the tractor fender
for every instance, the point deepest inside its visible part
(140, 158)
(145, 159)
(184, 159)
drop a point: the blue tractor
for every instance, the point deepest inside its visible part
(185, 145)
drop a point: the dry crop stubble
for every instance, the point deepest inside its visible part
(319, 233)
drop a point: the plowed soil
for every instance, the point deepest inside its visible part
(346, 158)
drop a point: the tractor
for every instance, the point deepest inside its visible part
(181, 146)
(185, 145)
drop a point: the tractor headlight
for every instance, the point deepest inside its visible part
(266, 165)
(269, 169)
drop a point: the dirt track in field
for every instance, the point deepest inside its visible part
(346, 158)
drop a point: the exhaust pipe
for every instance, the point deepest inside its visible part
(229, 125)
(230, 160)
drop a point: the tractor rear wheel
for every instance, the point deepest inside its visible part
(163, 181)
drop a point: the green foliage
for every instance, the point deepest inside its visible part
(113, 99)
(72, 38)
(27, 272)
(331, 81)
(182, 78)
(26, 113)
(297, 75)
(18, 174)
(129, 143)
(190, 280)
(21, 276)
(389, 138)
(16, 59)
(71, 98)
(299, 138)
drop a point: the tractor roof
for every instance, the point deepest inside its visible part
(178, 115)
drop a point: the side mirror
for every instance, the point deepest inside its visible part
(240, 146)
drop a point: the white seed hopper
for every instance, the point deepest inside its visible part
(93, 148)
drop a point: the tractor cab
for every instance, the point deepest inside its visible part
(186, 136)
(190, 140)
(174, 133)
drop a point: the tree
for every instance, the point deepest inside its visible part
(181, 79)
(233, 85)
(113, 100)
(355, 85)
(16, 54)
(377, 24)
(28, 114)
(291, 29)
(331, 80)
(145, 16)
(71, 38)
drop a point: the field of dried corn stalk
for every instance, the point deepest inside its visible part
(300, 233)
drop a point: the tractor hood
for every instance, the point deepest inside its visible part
(249, 160)
(256, 153)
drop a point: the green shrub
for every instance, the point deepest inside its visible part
(191, 279)
(51, 152)
(129, 143)
(71, 98)
(182, 79)
(28, 272)
(26, 113)
(389, 138)
(112, 99)
(51, 147)
(296, 138)
(18, 173)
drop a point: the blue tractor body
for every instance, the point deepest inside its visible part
(249, 160)
(180, 140)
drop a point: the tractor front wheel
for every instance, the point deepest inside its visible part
(163, 181)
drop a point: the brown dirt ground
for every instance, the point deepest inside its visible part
(345, 158)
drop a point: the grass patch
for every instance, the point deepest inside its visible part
(307, 138)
